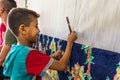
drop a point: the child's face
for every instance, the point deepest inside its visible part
(33, 31)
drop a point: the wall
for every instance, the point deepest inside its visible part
(20, 3)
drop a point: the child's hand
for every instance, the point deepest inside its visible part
(72, 37)
(57, 55)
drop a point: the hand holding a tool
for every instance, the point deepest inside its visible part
(73, 35)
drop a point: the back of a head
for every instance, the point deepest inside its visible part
(18, 16)
(8, 4)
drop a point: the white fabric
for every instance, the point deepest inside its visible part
(96, 21)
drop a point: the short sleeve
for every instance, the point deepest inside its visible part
(37, 63)
(10, 38)
(3, 27)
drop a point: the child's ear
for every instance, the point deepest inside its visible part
(22, 29)
(2, 10)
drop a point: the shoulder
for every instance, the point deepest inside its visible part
(36, 54)
(2, 27)
(8, 32)
(10, 38)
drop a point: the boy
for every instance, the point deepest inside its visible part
(5, 7)
(22, 62)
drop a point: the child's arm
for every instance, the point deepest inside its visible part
(63, 62)
(37, 63)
